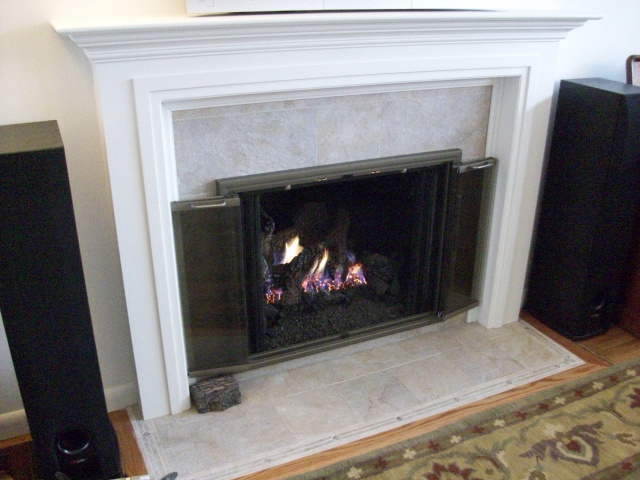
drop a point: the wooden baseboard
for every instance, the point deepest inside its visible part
(12, 442)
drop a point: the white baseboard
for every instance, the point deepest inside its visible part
(121, 396)
(13, 424)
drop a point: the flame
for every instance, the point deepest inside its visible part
(274, 295)
(355, 276)
(292, 250)
(323, 264)
(316, 276)
(317, 279)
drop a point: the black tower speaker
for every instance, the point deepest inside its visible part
(590, 199)
(45, 310)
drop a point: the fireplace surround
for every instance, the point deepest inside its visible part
(148, 69)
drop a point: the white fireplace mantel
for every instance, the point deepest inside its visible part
(147, 68)
(146, 38)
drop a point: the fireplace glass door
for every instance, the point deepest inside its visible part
(283, 263)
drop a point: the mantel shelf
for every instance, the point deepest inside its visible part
(152, 37)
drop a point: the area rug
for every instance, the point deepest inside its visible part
(585, 429)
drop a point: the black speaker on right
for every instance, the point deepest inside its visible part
(590, 198)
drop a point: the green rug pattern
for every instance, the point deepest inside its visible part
(585, 429)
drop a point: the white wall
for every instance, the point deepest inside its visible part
(43, 77)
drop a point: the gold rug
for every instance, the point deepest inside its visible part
(585, 429)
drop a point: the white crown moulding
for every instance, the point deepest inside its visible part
(154, 37)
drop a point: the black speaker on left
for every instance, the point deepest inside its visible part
(45, 311)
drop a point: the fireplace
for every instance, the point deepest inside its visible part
(147, 71)
(287, 263)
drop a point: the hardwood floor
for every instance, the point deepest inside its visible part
(130, 455)
(615, 346)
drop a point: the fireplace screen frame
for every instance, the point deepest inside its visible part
(234, 347)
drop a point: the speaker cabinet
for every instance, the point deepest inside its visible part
(591, 195)
(45, 311)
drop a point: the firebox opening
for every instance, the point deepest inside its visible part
(286, 262)
(347, 255)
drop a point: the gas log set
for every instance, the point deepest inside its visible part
(316, 286)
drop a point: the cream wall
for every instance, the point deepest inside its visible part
(43, 77)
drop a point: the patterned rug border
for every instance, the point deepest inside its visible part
(506, 415)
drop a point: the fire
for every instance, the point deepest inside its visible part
(318, 278)
(274, 295)
(355, 276)
(292, 250)
(316, 275)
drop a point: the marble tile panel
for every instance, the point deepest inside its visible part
(348, 133)
(239, 109)
(350, 99)
(184, 418)
(454, 91)
(387, 355)
(425, 345)
(248, 430)
(192, 448)
(324, 373)
(215, 440)
(435, 123)
(317, 412)
(404, 351)
(377, 395)
(528, 349)
(268, 388)
(434, 377)
(375, 359)
(474, 333)
(485, 362)
(233, 145)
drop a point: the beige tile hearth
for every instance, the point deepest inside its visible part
(307, 405)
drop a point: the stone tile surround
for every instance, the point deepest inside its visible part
(250, 138)
(297, 408)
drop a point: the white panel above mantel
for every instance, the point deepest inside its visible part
(145, 68)
(223, 6)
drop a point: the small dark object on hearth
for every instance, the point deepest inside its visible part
(215, 394)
